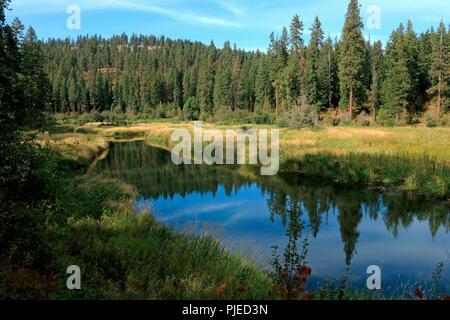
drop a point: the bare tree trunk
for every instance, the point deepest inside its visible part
(439, 94)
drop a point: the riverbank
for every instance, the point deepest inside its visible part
(90, 222)
(123, 255)
(411, 160)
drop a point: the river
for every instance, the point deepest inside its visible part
(347, 228)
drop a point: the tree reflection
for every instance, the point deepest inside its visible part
(289, 197)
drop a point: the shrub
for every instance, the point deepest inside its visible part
(431, 119)
(301, 116)
(192, 109)
(330, 118)
(262, 117)
(363, 119)
(445, 120)
(226, 116)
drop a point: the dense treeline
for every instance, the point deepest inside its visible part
(161, 77)
(26, 170)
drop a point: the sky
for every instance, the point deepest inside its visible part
(247, 23)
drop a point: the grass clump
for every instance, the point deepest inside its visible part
(131, 256)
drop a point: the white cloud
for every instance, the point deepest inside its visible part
(55, 6)
(232, 8)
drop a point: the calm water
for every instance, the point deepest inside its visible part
(345, 227)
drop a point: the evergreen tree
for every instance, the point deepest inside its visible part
(297, 59)
(411, 55)
(11, 108)
(374, 95)
(316, 73)
(205, 88)
(296, 35)
(36, 86)
(440, 68)
(329, 70)
(224, 79)
(264, 92)
(72, 92)
(351, 59)
(397, 83)
(236, 84)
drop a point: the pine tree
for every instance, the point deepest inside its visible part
(81, 95)
(329, 70)
(63, 96)
(72, 92)
(264, 92)
(11, 108)
(36, 86)
(296, 35)
(316, 72)
(440, 68)
(297, 59)
(351, 58)
(236, 84)
(205, 88)
(18, 29)
(278, 58)
(247, 82)
(397, 83)
(223, 79)
(411, 55)
(374, 94)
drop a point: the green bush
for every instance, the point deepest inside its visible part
(301, 116)
(192, 109)
(432, 119)
(264, 118)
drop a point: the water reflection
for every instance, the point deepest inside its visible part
(346, 226)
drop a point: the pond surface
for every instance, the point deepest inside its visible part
(347, 228)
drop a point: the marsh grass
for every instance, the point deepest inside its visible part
(413, 160)
(132, 256)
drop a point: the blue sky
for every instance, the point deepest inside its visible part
(247, 23)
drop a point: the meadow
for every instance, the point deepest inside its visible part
(413, 160)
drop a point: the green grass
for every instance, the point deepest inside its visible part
(130, 256)
(91, 223)
(418, 176)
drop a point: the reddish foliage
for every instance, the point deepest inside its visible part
(420, 294)
(241, 289)
(220, 290)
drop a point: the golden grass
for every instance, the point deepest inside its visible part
(83, 148)
(413, 141)
(417, 141)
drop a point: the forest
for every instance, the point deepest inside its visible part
(332, 80)
(54, 214)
